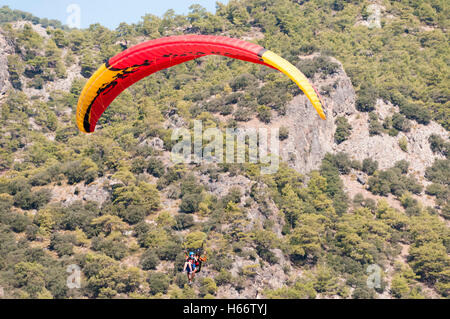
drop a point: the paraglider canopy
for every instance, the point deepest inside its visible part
(141, 60)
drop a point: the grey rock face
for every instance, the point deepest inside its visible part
(385, 149)
(155, 143)
(310, 138)
(5, 50)
(174, 121)
(361, 178)
(98, 191)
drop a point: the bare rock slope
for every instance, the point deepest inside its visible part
(311, 138)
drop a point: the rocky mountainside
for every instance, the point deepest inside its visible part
(6, 50)
(365, 189)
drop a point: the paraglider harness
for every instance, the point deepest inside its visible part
(196, 264)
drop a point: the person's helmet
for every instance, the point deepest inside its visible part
(191, 253)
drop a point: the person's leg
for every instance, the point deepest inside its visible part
(194, 269)
(187, 268)
(190, 271)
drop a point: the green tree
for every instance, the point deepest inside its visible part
(343, 130)
(149, 260)
(158, 282)
(264, 114)
(141, 194)
(207, 286)
(30, 276)
(429, 261)
(307, 238)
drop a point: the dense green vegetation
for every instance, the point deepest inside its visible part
(129, 243)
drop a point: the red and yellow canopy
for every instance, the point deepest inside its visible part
(141, 60)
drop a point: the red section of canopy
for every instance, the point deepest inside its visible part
(149, 57)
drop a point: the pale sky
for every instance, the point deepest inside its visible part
(108, 13)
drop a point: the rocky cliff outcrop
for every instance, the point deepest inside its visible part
(311, 138)
(5, 50)
(385, 149)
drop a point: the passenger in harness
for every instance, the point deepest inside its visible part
(190, 265)
(193, 264)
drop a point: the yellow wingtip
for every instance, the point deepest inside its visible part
(90, 91)
(298, 77)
